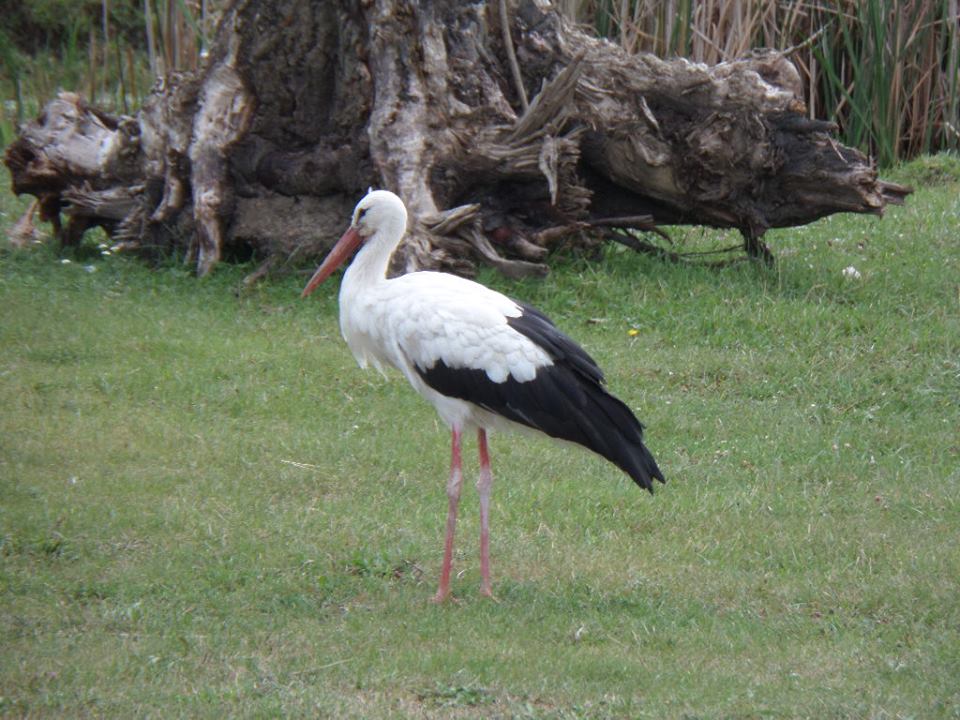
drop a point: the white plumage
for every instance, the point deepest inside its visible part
(482, 359)
(425, 316)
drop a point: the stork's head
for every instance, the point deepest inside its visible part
(381, 214)
(378, 209)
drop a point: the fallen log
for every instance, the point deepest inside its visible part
(503, 145)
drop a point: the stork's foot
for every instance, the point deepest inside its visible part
(486, 592)
(443, 596)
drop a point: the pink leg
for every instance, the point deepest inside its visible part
(484, 484)
(453, 496)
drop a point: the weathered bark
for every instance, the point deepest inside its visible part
(304, 104)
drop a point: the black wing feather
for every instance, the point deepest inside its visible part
(566, 400)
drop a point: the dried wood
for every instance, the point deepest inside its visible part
(304, 104)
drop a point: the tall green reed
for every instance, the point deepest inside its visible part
(95, 55)
(885, 70)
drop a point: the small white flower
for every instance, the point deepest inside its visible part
(64, 261)
(851, 272)
(90, 268)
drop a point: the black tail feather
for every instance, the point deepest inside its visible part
(608, 426)
(610, 429)
(566, 400)
(561, 403)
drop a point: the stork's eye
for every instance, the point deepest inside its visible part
(363, 211)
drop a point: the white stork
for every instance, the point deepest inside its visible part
(483, 360)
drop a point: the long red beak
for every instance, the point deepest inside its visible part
(344, 248)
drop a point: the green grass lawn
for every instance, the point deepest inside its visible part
(207, 510)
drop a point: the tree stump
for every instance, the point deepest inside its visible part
(505, 129)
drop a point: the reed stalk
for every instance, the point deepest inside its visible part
(887, 71)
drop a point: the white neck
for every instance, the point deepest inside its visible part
(369, 267)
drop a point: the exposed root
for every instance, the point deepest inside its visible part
(24, 232)
(698, 257)
(463, 224)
